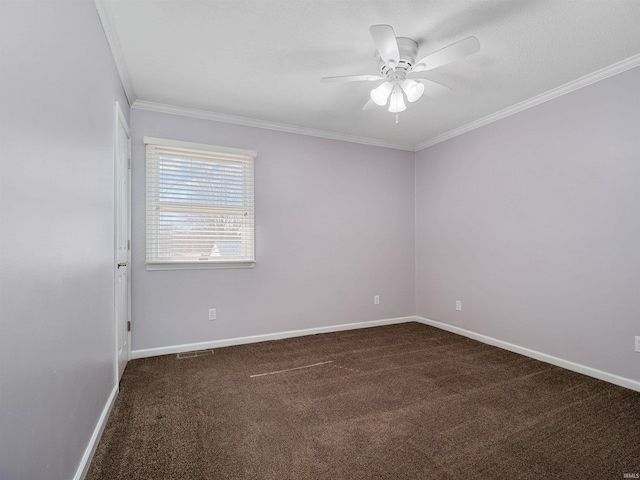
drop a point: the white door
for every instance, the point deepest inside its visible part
(122, 241)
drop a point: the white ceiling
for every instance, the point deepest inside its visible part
(262, 60)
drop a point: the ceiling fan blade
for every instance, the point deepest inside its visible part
(385, 41)
(369, 105)
(352, 78)
(456, 51)
(433, 89)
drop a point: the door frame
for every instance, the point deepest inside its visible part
(120, 119)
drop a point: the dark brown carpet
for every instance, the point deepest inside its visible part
(403, 401)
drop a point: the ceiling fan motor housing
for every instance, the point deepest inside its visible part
(408, 51)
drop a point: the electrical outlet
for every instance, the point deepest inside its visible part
(458, 305)
(376, 299)
(637, 344)
(212, 314)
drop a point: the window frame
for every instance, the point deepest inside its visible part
(151, 260)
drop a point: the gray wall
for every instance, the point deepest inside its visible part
(334, 227)
(59, 87)
(533, 222)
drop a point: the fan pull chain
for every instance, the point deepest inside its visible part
(397, 118)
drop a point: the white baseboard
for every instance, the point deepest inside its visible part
(189, 347)
(576, 367)
(81, 472)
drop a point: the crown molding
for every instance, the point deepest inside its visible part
(596, 76)
(584, 81)
(116, 50)
(251, 122)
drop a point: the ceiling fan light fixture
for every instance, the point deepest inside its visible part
(412, 89)
(380, 94)
(396, 58)
(396, 104)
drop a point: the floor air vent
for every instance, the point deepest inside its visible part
(197, 353)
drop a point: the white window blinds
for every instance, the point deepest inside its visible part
(200, 205)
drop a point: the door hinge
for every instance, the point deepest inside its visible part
(128, 244)
(129, 163)
(129, 326)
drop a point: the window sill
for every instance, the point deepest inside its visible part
(198, 265)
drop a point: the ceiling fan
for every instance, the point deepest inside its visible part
(397, 64)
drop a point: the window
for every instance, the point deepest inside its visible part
(200, 205)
